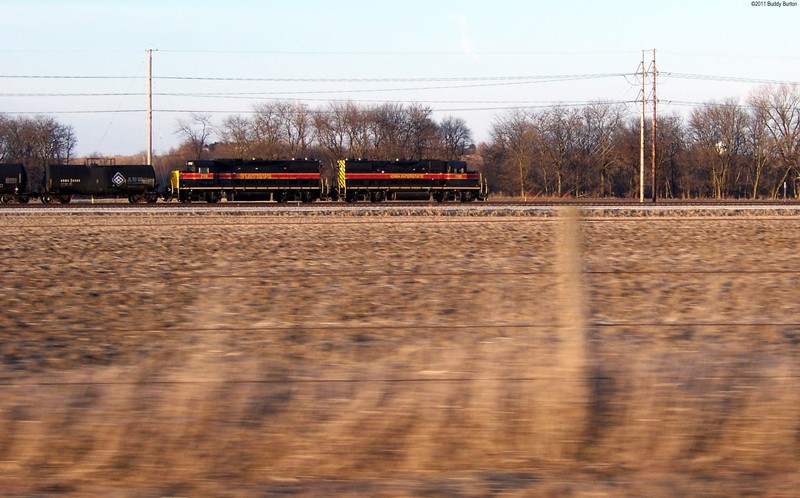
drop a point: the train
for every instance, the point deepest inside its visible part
(281, 180)
(303, 180)
(62, 182)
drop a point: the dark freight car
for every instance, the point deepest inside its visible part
(440, 180)
(13, 183)
(135, 182)
(248, 179)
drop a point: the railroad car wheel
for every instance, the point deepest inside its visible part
(65, 199)
(6, 199)
(152, 198)
(47, 199)
(24, 199)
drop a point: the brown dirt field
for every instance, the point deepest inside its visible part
(207, 355)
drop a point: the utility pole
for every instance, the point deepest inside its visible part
(641, 133)
(655, 101)
(643, 72)
(150, 107)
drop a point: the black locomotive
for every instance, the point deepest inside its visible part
(256, 179)
(439, 180)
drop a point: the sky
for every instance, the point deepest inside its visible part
(85, 62)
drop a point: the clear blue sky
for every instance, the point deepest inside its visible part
(392, 41)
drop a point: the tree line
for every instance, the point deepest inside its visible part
(35, 141)
(722, 149)
(281, 129)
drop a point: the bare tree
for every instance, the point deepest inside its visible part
(760, 150)
(559, 128)
(196, 132)
(237, 133)
(423, 132)
(455, 137)
(36, 141)
(515, 134)
(294, 120)
(388, 131)
(719, 132)
(778, 111)
(330, 134)
(602, 124)
(267, 130)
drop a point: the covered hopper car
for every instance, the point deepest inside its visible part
(135, 182)
(13, 183)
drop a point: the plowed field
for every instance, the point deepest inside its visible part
(210, 355)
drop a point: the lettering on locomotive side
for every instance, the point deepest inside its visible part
(253, 176)
(409, 176)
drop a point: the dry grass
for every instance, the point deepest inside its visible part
(410, 357)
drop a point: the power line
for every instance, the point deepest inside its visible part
(332, 80)
(735, 79)
(543, 105)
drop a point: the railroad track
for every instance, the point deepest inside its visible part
(411, 208)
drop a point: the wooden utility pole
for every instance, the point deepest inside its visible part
(149, 107)
(655, 101)
(641, 133)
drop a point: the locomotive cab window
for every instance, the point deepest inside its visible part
(203, 169)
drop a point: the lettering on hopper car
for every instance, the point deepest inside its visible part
(69, 181)
(140, 180)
